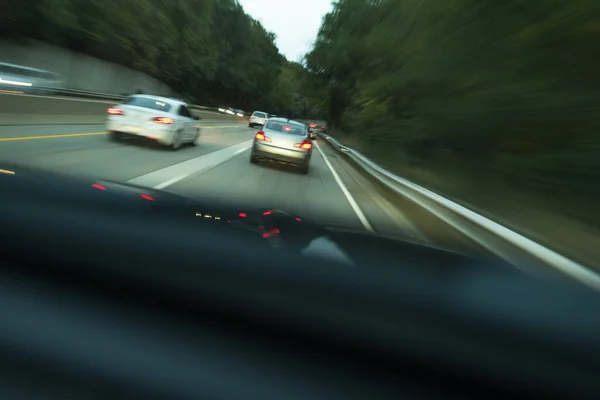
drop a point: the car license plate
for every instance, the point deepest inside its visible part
(133, 129)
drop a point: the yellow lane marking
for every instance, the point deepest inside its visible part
(51, 136)
(89, 134)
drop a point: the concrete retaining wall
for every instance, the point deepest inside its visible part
(81, 72)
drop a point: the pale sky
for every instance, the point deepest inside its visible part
(294, 22)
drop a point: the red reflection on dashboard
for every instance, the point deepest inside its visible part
(270, 233)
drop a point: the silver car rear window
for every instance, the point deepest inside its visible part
(259, 115)
(147, 102)
(286, 127)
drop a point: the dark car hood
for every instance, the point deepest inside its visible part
(273, 227)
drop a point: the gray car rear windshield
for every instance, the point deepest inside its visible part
(286, 127)
(260, 115)
(147, 102)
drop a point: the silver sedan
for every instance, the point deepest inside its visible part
(283, 140)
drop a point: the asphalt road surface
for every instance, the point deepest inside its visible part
(333, 192)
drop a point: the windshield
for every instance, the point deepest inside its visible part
(147, 102)
(460, 125)
(285, 127)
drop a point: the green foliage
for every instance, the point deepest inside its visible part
(207, 50)
(500, 91)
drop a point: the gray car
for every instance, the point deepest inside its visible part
(283, 140)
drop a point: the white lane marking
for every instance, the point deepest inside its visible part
(170, 181)
(349, 197)
(219, 162)
(164, 177)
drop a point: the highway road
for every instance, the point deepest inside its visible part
(333, 192)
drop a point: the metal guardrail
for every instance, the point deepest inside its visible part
(487, 233)
(99, 96)
(76, 93)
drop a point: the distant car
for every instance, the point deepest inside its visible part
(258, 118)
(239, 113)
(226, 110)
(285, 141)
(21, 79)
(312, 129)
(168, 121)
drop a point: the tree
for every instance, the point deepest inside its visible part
(496, 91)
(210, 51)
